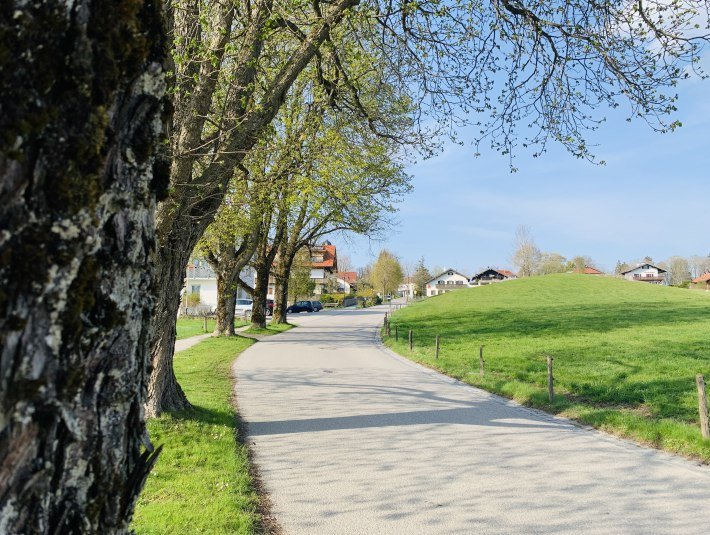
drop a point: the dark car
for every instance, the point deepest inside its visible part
(301, 306)
(317, 305)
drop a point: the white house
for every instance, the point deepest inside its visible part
(200, 279)
(445, 282)
(346, 281)
(646, 273)
(406, 289)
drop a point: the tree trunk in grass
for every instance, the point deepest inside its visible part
(226, 301)
(281, 275)
(80, 118)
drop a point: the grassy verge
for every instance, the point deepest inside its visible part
(201, 482)
(187, 327)
(271, 328)
(626, 354)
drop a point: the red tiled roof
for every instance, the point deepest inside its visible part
(328, 257)
(592, 271)
(702, 278)
(348, 276)
(506, 272)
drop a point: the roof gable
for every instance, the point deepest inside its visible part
(452, 271)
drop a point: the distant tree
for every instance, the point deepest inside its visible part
(300, 284)
(678, 270)
(420, 277)
(344, 263)
(387, 273)
(549, 263)
(699, 265)
(579, 264)
(620, 267)
(526, 255)
(647, 260)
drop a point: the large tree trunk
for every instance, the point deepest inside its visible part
(80, 119)
(164, 391)
(226, 301)
(281, 276)
(261, 287)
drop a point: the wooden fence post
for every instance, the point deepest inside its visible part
(550, 387)
(436, 354)
(205, 318)
(410, 339)
(703, 406)
(388, 328)
(396, 333)
(480, 361)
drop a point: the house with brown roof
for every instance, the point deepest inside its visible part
(346, 281)
(703, 281)
(589, 271)
(324, 266)
(492, 275)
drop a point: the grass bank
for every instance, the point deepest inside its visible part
(201, 482)
(271, 328)
(187, 327)
(625, 353)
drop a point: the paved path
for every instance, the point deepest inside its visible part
(186, 343)
(352, 439)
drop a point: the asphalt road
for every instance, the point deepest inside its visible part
(350, 438)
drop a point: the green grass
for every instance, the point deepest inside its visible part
(625, 353)
(271, 328)
(201, 482)
(187, 327)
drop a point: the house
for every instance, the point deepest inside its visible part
(346, 281)
(703, 280)
(324, 266)
(492, 275)
(646, 273)
(406, 288)
(200, 279)
(445, 282)
(589, 271)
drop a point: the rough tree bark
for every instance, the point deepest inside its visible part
(80, 118)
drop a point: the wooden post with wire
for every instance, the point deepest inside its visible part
(436, 353)
(703, 407)
(410, 339)
(396, 333)
(550, 379)
(480, 362)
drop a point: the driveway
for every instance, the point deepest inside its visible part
(350, 438)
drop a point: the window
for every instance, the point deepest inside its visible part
(196, 289)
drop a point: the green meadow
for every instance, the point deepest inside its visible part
(625, 353)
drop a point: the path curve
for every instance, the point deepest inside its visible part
(350, 438)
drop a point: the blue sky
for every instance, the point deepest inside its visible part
(651, 198)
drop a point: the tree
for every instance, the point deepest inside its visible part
(387, 273)
(549, 263)
(699, 265)
(580, 263)
(421, 277)
(300, 283)
(678, 270)
(549, 65)
(82, 90)
(344, 263)
(526, 255)
(620, 267)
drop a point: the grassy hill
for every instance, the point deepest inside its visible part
(626, 353)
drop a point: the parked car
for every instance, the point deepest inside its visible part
(269, 307)
(243, 306)
(317, 305)
(301, 306)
